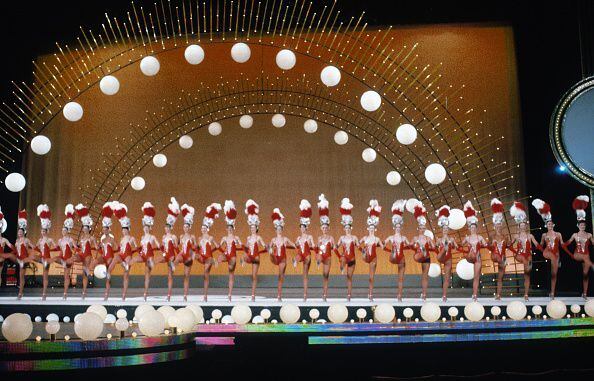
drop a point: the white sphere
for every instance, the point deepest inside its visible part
(166, 311)
(89, 326)
(66, 319)
(198, 312)
(537, 310)
(216, 314)
(330, 76)
(258, 320)
(227, 319)
(137, 183)
(430, 312)
(369, 155)
(410, 204)
(408, 312)
(186, 141)
(109, 319)
(575, 308)
(38, 319)
(314, 313)
(453, 312)
(371, 100)
(172, 321)
(241, 313)
(151, 323)
(290, 314)
(215, 128)
(141, 310)
(41, 145)
(100, 272)
(122, 324)
(516, 310)
(361, 313)
(72, 111)
(76, 317)
(434, 270)
(384, 313)
(15, 182)
(435, 173)
(240, 52)
(310, 126)
(495, 310)
(109, 85)
(474, 311)
(456, 219)
(265, 313)
(52, 317)
(286, 59)
(406, 134)
(52, 327)
(556, 309)
(393, 178)
(246, 121)
(338, 313)
(150, 66)
(194, 54)
(17, 327)
(160, 160)
(465, 270)
(341, 138)
(185, 319)
(589, 307)
(279, 120)
(99, 309)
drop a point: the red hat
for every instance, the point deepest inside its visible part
(470, 214)
(543, 209)
(22, 219)
(497, 209)
(187, 212)
(579, 204)
(420, 213)
(3, 224)
(172, 212)
(83, 214)
(345, 212)
(230, 212)
(323, 210)
(277, 218)
(120, 210)
(443, 215)
(305, 213)
(106, 214)
(518, 212)
(374, 212)
(149, 212)
(44, 214)
(397, 211)
(251, 210)
(212, 212)
(69, 213)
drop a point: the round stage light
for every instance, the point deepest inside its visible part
(166, 311)
(435, 173)
(109, 85)
(17, 327)
(186, 141)
(246, 121)
(66, 319)
(227, 319)
(100, 272)
(474, 311)
(289, 314)
(41, 145)
(121, 313)
(265, 313)
(89, 326)
(410, 204)
(361, 313)
(215, 128)
(314, 314)
(122, 324)
(384, 313)
(516, 310)
(406, 134)
(38, 319)
(575, 309)
(537, 310)
(194, 54)
(330, 76)
(371, 100)
(393, 178)
(310, 126)
(198, 312)
(15, 182)
(465, 270)
(241, 314)
(109, 319)
(258, 320)
(72, 111)
(453, 312)
(430, 312)
(151, 323)
(341, 138)
(286, 59)
(240, 52)
(278, 120)
(556, 309)
(369, 155)
(338, 313)
(137, 183)
(185, 319)
(434, 270)
(456, 220)
(52, 317)
(141, 310)
(52, 327)
(495, 311)
(216, 314)
(149, 66)
(99, 309)
(589, 307)
(160, 160)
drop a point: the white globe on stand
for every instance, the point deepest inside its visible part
(453, 312)
(556, 309)
(151, 323)
(216, 314)
(99, 309)
(52, 317)
(286, 59)
(265, 313)
(185, 319)
(15, 182)
(406, 134)
(393, 178)
(314, 313)
(198, 312)
(589, 307)
(278, 120)
(310, 126)
(456, 219)
(290, 314)
(194, 54)
(137, 183)
(17, 327)
(341, 138)
(241, 314)
(369, 155)
(150, 66)
(435, 173)
(52, 327)
(537, 310)
(227, 319)
(338, 313)
(246, 121)
(430, 312)
(109, 85)
(215, 128)
(88, 326)
(258, 320)
(141, 310)
(495, 311)
(41, 145)
(186, 141)
(240, 52)
(72, 111)
(361, 313)
(575, 309)
(474, 311)
(434, 270)
(166, 311)
(330, 76)
(371, 100)
(465, 269)
(121, 313)
(122, 324)
(100, 272)
(408, 312)
(516, 310)
(109, 319)
(160, 160)
(384, 313)
(410, 204)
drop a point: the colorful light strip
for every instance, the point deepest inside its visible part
(215, 341)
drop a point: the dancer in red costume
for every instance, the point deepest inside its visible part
(5, 244)
(127, 246)
(325, 243)
(230, 243)
(148, 244)
(550, 241)
(254, 243)
(108, 245)
(522, 243)
(169, 243)
(67, 247)
(86, 245)
(304, 243)
(473, 243)
(278, 249)
(498, 244)
(24, 250)
(583, 240)
(445, 246)
(371, 242)
(348, 243)
(188, 246)
(207, 245)
(45, 245)
(422, 244)
(396, 243)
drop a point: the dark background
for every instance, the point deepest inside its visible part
(553, 48)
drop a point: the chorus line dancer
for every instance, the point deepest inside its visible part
(304, 243)
(325, 244)
(445, 246)
(189, 247)
(254, 244)
(523, 242)
(207, 245)
(371, 242)
(347, 245)
(169, 243)
(397, 243)
(230, 244)
(86, 245)
(148, 245)
(278, 249)
(24, 250)
(498, 244)
(550, 241)
(583, 241)
(423, 245)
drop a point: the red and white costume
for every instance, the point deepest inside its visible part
(230, 216)
(107, 248)
(580, 204)
(278, 252)
(471, 219)
(3, 223)
(205, 245)
(147, 251)
(21, 249)
(187, 243)
(544, 210)
(67, 244)
(83, 215)
(420, 214)
(120, 210)
(45, 216)
(369, 243)
(252, 249)
(325, 244)
(397, 254)
(348, 244)
(524, 246)
(443, 220)
(498, 248)
(304, 245)
(169, 249)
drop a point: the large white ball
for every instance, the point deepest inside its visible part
(258, 320)
(72, 111)
(141, 310)
(310, 126)
(109, 319)
(109, 85)
(393, 178)
(215, 128)
(227, 319)
(198, 312)
(185, 319)
(516, 310)
(100, 271)
(338, 313)
(474, 311)
(453, 312)
(41, 145)
(166, 311)
(286, 59)
(149, 66)
(52, 327)
(265, 313)
(435, 173)
(121, 313)
(575, 309)
(371, 100)
(290, 314)
(216, 314)
(246, 121)
(52, 317)
(456, 220)
(495, 311)
(137, 183)
(151, 323)
(434, 270)
(241, 314)
(122, 324)
(15, 182)
(314, 313)
(17, 327)
(589, 307)
(194, 54)
(99, 309)
(341, 138)
(556, 309)
(240, 52)
(537, 310)
(384, 313)
(361, 313)
(278, 120)
(410, 204)
(406, 134)
(88, 326)
(369, 155)
(330, 76)
(430, 312)
(465, 269)
(186, 141)
(160, 160)
(408, 312)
